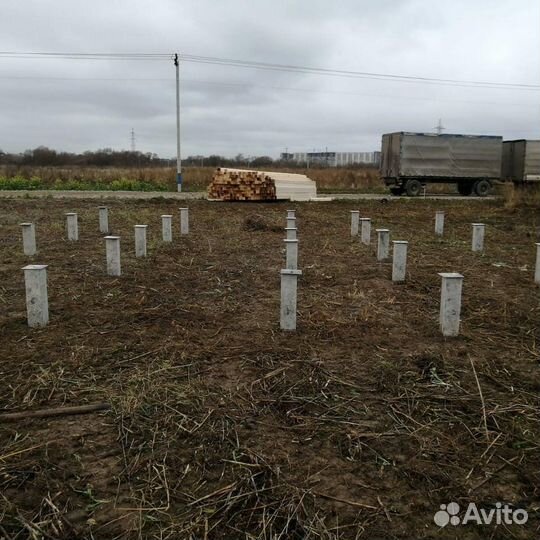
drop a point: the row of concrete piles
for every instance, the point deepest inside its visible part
(450, 291)
(35, 275)
(399, 250)
(478, 233)
(452, 282)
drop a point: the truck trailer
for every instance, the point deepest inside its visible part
(521, 161)
(409, 161)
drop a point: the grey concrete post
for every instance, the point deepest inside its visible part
(452, 284)
(399, 260)
(37, 302)
(537, 271)
(439, 223)
(478, 236)
(383, 244)
(291, 214)
(366, 231)
(112, 244)
(289, 281)
(291, 222)
(291, 233)
(291, 247)
(140, 240)
(29, 238)
(355, 218)
(166, 226)
(103, 219)
(184, 220)
(72, 226)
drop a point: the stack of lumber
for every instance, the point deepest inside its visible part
(295, 187)
(245, 185)
(239, 185)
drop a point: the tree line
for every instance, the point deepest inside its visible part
(47, 157)
(43, 156)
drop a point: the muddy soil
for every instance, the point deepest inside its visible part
(359, 425)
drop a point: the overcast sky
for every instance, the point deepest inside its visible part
(76, 105)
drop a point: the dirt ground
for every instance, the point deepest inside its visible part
(359, 425)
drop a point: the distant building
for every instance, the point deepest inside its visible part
(333, 159)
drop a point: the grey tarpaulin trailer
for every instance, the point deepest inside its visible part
(521, 161)
(410, 160)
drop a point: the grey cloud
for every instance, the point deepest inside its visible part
(231, 109)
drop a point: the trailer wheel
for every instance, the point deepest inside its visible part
(482, 187)
(413, 187)
(465, 188)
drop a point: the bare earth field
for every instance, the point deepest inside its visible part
(221, 426)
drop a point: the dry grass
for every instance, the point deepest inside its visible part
(195, 178)
(359, 425)
(521, 195)
(331, 180)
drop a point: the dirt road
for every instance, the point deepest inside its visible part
(171, 195)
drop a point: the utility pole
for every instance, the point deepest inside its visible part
(132, 140)
(178, 158)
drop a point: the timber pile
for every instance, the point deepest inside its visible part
(244, 185)
(238, 185)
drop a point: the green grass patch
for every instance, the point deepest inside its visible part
(121, 184)
(20, 183)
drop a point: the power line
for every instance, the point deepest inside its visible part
(354, 74)
(251, 86)
(269, 67)
(47, 78)
(85, 56)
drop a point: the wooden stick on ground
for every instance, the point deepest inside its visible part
(481, 399)
(344, 501)
(57, 411)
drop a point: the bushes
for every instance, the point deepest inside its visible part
(20, 183)
(164, 178)
(122, 184)
(521, 195)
